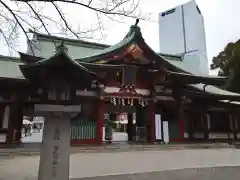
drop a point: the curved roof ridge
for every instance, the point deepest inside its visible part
(46, 36)
(132, 35)
(58, 53)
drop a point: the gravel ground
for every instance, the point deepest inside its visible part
(84, 165)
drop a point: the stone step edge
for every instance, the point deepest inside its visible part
(116, 149)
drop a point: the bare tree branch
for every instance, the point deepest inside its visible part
(38, 17)
(90, 1)
(101, 10)
(25, 14)
(18, 22)
(64, 20)
(6, 39)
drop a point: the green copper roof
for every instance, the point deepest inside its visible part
(59, 58)
(209, 89)
(108, 51)
(51, 38)
(172, 62)
(9, 67)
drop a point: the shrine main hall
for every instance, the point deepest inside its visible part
(160, 99)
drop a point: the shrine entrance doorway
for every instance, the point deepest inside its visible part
(128, 124)
(120, 120)
(118, 123)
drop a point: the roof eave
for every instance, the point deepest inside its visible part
(26, 67)
(195, 79)
(47, 37)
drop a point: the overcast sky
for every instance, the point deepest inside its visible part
(221, 23)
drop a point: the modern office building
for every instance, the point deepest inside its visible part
(181, 31)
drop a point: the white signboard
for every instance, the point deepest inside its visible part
(158, 126)
(165, 132)
(3, 138)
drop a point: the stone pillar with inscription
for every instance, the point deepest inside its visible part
(55, 150)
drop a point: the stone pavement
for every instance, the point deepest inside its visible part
(215, 173)
(83, 165)
(34, 148)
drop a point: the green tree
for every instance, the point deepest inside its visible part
(228, 62)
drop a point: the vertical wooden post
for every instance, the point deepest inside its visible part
(151, 112)
(19, 123)
(235, 116)
(190, 124)
(9, 138)
(205, 125)
(208, 119)
(180, 122)
(2, 111)
(130, 127)
(100, 116)
(15, 121)
(12, 119)
(233, 126)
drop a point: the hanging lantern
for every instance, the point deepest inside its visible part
(131, 102)
(114, 101)
(123, 102)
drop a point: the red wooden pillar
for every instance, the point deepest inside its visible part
(100, 116)
(151, 112)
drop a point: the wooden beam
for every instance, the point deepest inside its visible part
(204, 95)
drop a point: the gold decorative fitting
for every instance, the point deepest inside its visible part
(132, 47)
(101, 62)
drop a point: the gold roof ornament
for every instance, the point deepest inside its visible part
(61, 47)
